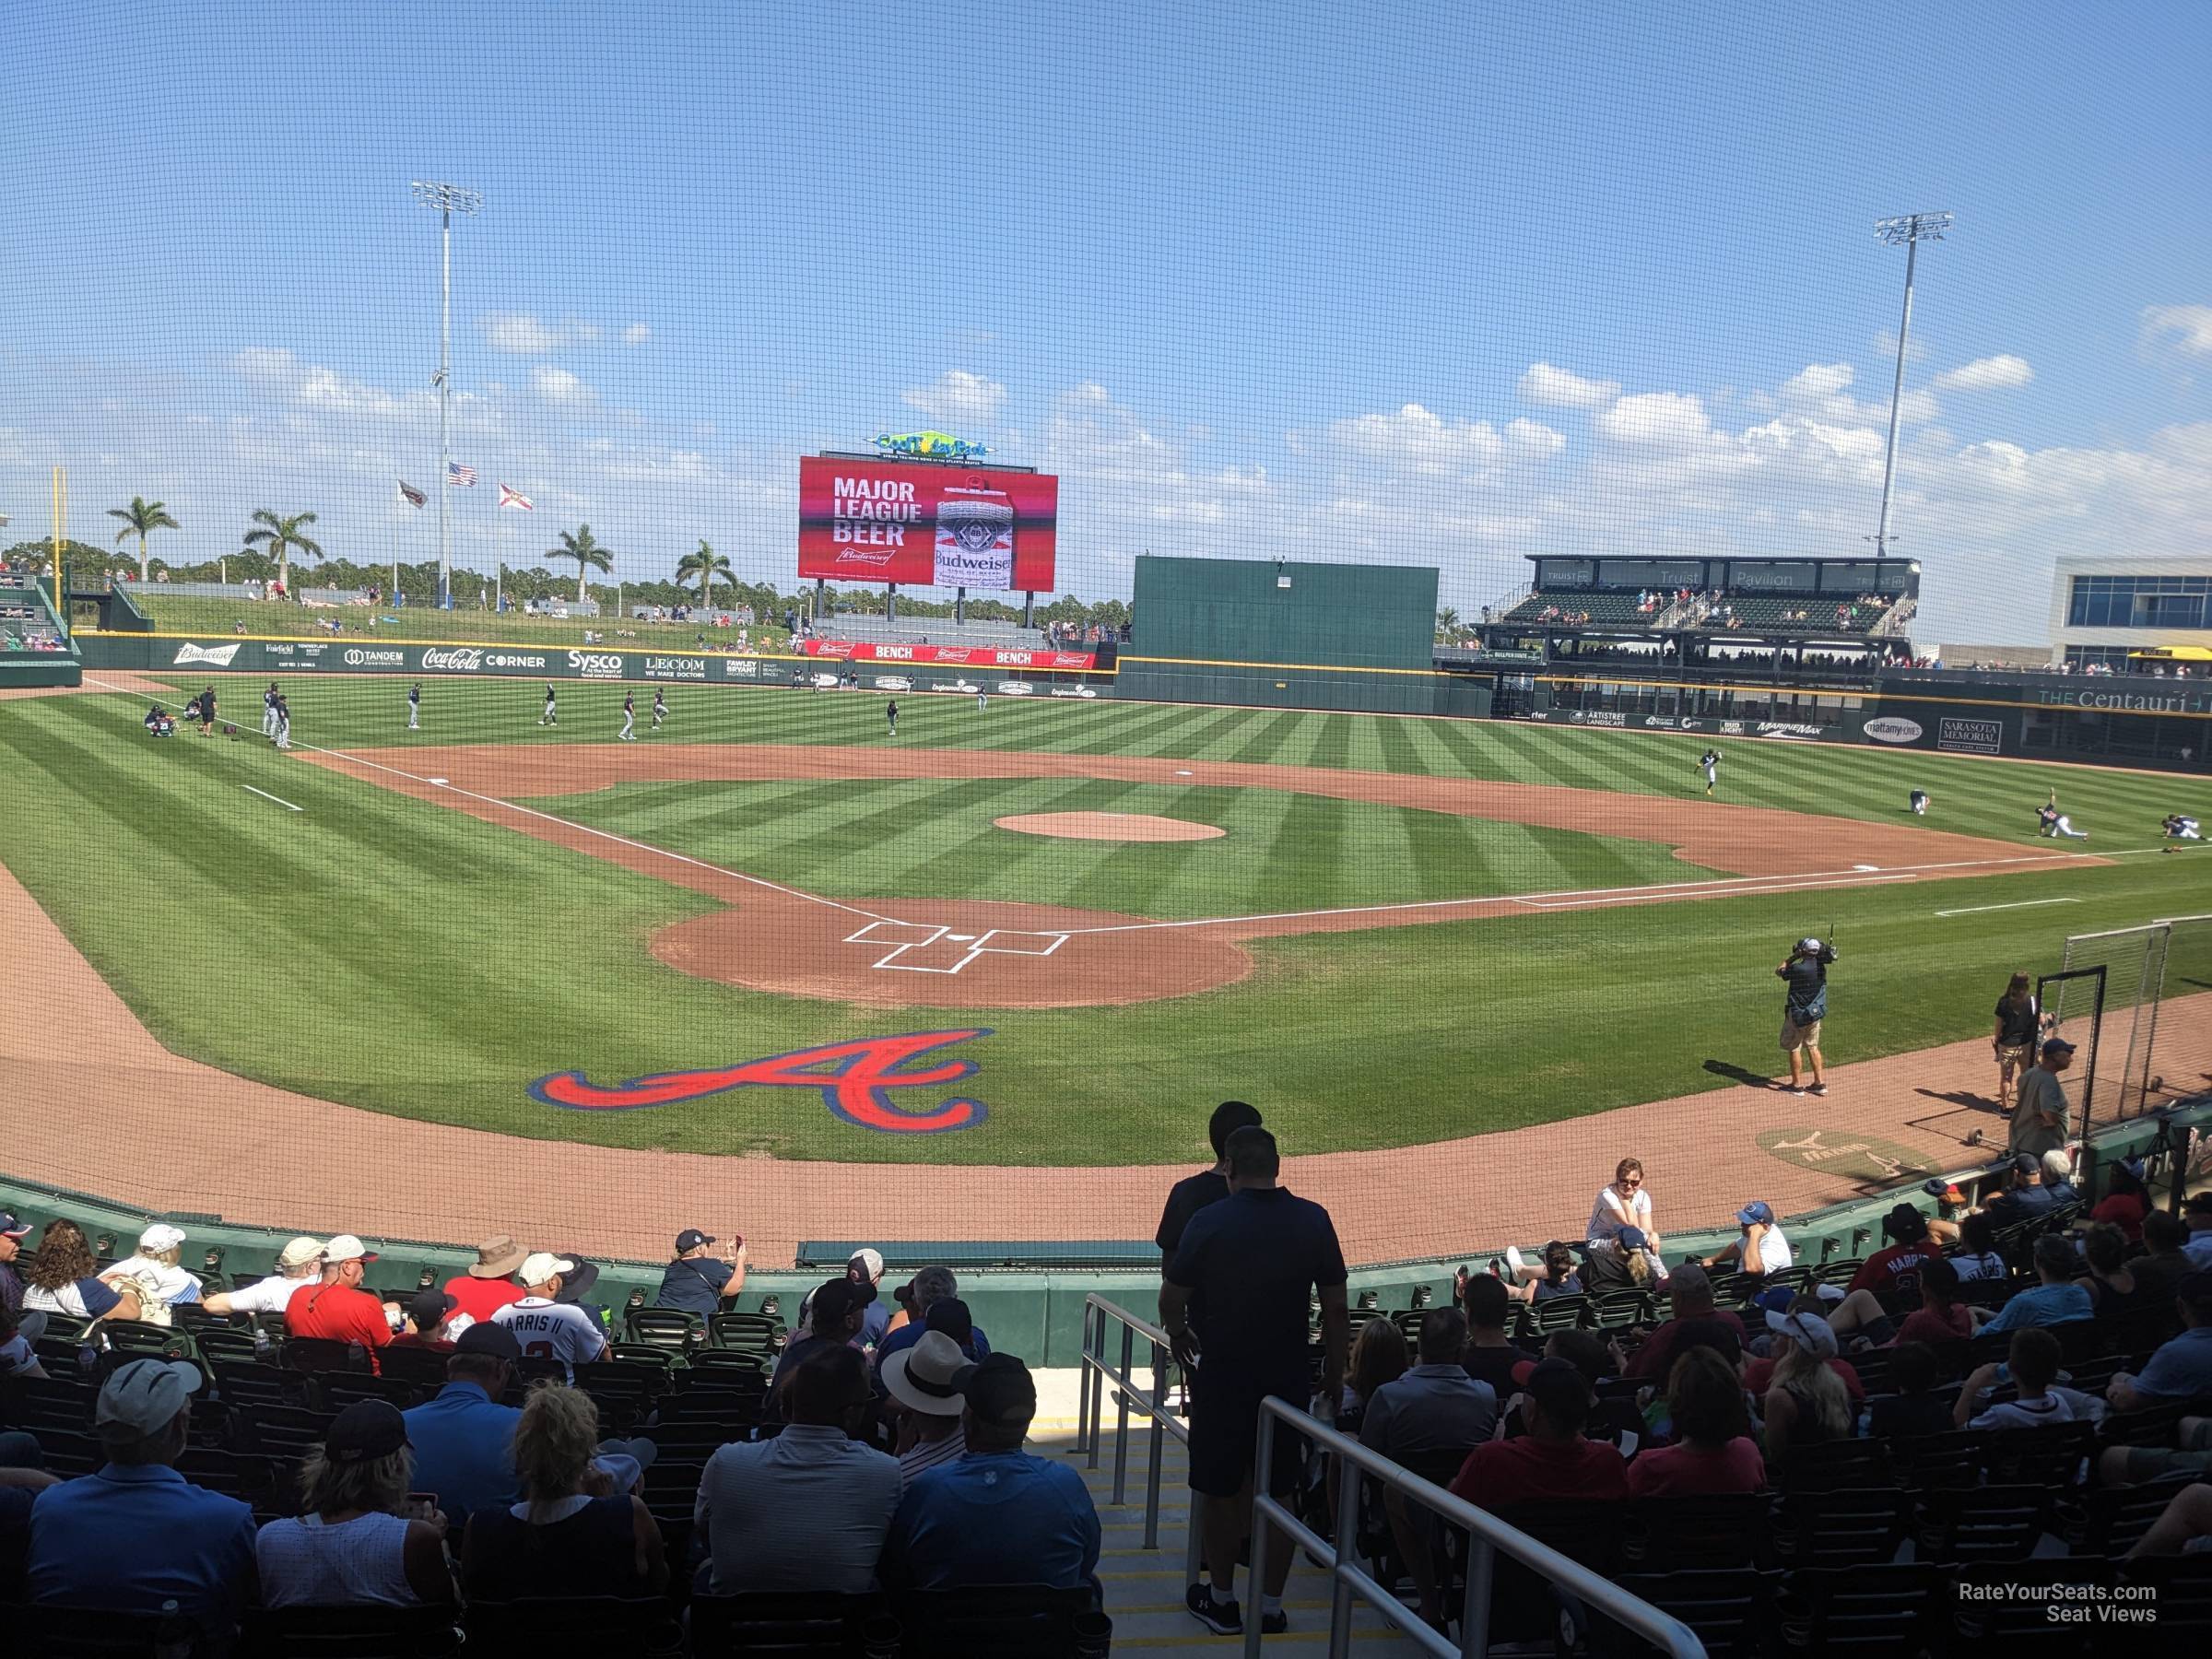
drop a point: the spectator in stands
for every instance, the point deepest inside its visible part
(1806, 1402)
(998, 1515)
(338, 1309)
(1194, 1192)
(1435, 1405)
(867, 1268)
(1626, 1203)
(2109, 1281)
(1713, 1452)
(2181, 1368)
(925, 1405)
(1690, 1298)
(568, 1535)
(154, 1271)
(1894, 1270)
(1759, 1372)
(833, 1312)
(697, 1283)
(1941, 1316)
(2054, 1300)
(13, 1231)
(1377, 1359)
(463, 1439)
(809, 1509)
(1556, 1277)
(487, 1284)
(2033, 1360)
(1490, 1354)
(1254, 1259)
(432, 1322)
(298, 1265)
(2159, 1272)
(545, 1325)
(1915, 1409)
(353, 1542)
(63, 1278)
(2182, 1528)
(928, 1288)
(950, 1317)
(2027, 1199)
(136, 1534)
(1976, 1256)
(1552, 1460)
(19, 1333)
(2196, 1212)
(2043, 1118)
(1761, 1247)
(2058, 1170)
(2125, 1204)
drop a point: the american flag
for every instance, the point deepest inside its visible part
(460, 477)
(410, 495)
(515, 497)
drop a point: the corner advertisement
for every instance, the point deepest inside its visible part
(927, 526)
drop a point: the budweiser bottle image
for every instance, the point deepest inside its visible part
(975, 539)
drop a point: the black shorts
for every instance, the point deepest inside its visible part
(1225, 1434)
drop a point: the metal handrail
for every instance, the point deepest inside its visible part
(1096, 1372)
(1487, 1534)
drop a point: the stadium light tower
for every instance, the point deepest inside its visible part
(1911, 229)
(449, 199)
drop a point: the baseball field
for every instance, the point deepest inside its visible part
(1093, 919)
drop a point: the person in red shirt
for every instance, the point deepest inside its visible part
(1940, 1317)
(1713, 1453)
(489, 1284)
(2124, 1204)
(1896, 1268)
(1690, 1295)
(1552, 1460)
(338, 1309)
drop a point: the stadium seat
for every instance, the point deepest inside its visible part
(353, 1633)
(1833, 1464)
(1844, 1612)
(793, 1626)
(1993, 1608)
(88, 1633)
(334, 1391)
(1003, 1621)
(2182, 1586)
(151, 1341)
(670, 1328)
(536, 1626)
(1613, 1308)
(1539, 1320)
(243, 1476)
(255, 1385)
(2050, 1455)
(40, 1404)
(424, 1368)
(1671, 1534)
(2113, 1519)
(1927, 1462)
(1732, 1611)
(223, 1343)
(283, 1430)
(1982, 1524)
(1845, 1527)
(746, 1333)
(319, 1354)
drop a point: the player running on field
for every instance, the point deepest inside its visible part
(551, 717)
(1711, 761)
(660, 707)
(629, 717)
(1920, 802)
(890, 712)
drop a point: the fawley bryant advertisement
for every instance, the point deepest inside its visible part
(927, 526)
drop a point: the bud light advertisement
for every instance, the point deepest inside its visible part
(927, 526)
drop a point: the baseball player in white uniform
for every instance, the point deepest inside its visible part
(549, 1329)
(414, 707)
(982, 700)
(629, 717)
(284, 723)
(1711, 761)
(660, 707)
(268, 711)
(1920, 802)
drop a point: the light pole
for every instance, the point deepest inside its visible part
(1912, 229)
(449, 199)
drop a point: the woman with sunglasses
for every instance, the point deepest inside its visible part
(1624, 1202)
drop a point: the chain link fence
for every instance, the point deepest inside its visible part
(2152, 1048)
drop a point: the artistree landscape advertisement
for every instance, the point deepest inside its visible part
(927, 526)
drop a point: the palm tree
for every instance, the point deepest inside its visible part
(1447, 623)
(588, 554)
(285, 538)
(139, 519)
(706, 566)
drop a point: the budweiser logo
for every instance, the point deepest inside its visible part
(220, 656)
(863, 557)
(461, 660)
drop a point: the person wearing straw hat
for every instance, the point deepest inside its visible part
(919, 1378)
(486, 1285)
(298, 1265)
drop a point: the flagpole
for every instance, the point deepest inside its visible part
(445, 198)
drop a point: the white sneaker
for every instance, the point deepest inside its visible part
(1513, 1261)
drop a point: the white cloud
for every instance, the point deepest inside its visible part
(559, 386)
(637, 334)
(265, 364)
(1816, 381)
(522, 334)
(1416, 440)
(2190, 325)
(1533, 438)
(1543, 384)
(1657, 419)
(1986, 374)
(956, 394)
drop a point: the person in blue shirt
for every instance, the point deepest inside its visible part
(2181, 1368)
(2055, 1300)
(998, 1515)
(463, 1439)
(136, 1534)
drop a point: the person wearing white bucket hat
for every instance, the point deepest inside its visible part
(298, 1265)
(161, 1282)
(919, 1378)
(547, 1327)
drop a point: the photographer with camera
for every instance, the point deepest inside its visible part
(1805, 973)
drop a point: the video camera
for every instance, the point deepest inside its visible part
(1819, 950)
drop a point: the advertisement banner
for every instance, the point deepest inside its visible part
(982, 657)
(927, 526)
(1970, 737)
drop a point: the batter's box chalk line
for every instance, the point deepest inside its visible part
(918, 947)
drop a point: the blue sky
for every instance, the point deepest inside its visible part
(1429, 284)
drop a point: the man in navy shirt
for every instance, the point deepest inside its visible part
(697, 1283)
(1254, 1259)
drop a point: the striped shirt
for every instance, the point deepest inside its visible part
(928, 1454)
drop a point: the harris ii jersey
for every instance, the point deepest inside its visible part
(552, 1330)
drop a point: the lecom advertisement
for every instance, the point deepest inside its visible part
(927, 526)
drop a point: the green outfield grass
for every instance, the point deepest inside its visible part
(386, 952)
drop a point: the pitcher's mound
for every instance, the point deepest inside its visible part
(1107, 826)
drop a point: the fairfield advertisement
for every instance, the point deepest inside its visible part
(984, 656)
(927, 526)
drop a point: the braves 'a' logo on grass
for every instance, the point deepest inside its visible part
(856, 1080)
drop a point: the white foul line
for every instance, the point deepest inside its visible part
(2022, 904)
(266, 796)
(1638, 896)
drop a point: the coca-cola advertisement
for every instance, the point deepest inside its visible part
(863, 650)
(927, 526)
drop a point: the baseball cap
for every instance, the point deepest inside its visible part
(145, 1395)
(920, 1376)
(1809, 944)
(1632, 1238)
(426, 1308)
(950, 1315)
(870, 1259)
(1809, 1331)
(1905, 1223)
(837, 1297)
(691, 1238)
(1000, 1390)
(1776, 1300)
(162, 1236)
(2026, 1163)
(542, 1265)
(2055, 1045)
(2200, 1203)
(365, 1431)
(346, 1248)
(300, 1251)
(11, 1228)
(1757, 1213)
(484, 1338)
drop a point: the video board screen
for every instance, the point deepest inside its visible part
(927, 526)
